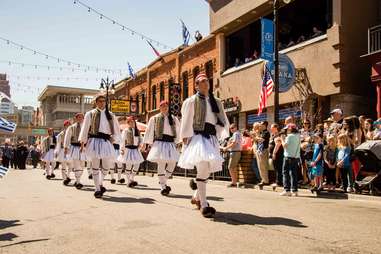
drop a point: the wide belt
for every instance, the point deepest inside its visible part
(52, 146)
(100, 135)
(132, 147)
(209, 130)
(166, 138)
(116, 146)
(75, 144)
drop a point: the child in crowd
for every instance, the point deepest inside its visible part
(344, 163)
(330, 153)
(317, 162)
(377, 131)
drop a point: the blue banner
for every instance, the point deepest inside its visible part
(267, 41)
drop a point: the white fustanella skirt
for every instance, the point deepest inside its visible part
(202, 149)
(75, 154)
(49, 155)
(163, 152)
(98, 148)
(131, 156)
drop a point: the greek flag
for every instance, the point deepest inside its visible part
(131, 71)
(3, 171)
(7, 126)
(186, 34)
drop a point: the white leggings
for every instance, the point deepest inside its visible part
(164, 171)
(203, 173)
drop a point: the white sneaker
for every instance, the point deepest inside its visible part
(286, 194)
(294, 194)
(349, 189)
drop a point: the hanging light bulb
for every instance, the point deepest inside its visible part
(89, 9)
(113, 22)
(101, 16)
(47, 56)
(123, 28)
(8, 42)
(75, 2)
(34, 52)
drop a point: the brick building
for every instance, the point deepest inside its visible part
(170, 77)
(4, 85)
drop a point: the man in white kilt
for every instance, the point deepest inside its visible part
(98, 131)
(203, 123)
(129, 151)
(48, 146)
(61, 156)
(163, 134)
(118, 166)
(72, 149)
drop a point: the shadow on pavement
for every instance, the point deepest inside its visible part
(93, 189)
(329, 195)
(128, 200)
(213, 198)
(9, 223)
(145, 187)
(249, 219)
(22, 242)
(7, 237)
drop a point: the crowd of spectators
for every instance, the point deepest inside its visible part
(17, 156)
(321, 158)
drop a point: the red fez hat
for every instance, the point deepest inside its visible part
(130, 118)
(66, 123)
(50, 129)
(201, 77)
(162, 103)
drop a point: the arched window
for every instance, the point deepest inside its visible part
(162, 91)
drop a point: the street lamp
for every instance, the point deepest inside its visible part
(107, 85)
(276, 58)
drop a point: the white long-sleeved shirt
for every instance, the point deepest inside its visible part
(68, 135)
(187, 112)
(137, 139)
(44, 143)
(149, 136)
(104, 126)
(60, 140)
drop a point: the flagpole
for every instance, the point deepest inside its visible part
(276, 62)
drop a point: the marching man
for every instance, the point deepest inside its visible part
(118, 165)
(48, 146)
(163, 134)
(61, 156)
(98, 131)
(130, 153)
(72, 149)
(203, 123)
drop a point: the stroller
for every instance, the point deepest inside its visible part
(369, 176)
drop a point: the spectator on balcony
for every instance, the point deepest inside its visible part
(301, 39)
(276, 154)
(316, 32)
(255, 55)
(247, 141)
(290, 43)
(237, 62)
(262, 153)
(234, 148)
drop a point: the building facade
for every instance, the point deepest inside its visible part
(323, 38)
(7, 107)
(4, 85)
(170, 77)
(58, 103)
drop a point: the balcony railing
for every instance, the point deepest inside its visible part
(374, 39)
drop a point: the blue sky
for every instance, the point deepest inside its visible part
(63, 29)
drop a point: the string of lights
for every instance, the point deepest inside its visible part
(27, 77)
(61, 68)
(123, 27)
(58, 59)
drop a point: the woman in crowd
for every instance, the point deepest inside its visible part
(330, 153)
(317, 162)
(377, 131)
(368, 129)
(247, 141)
(276, 154)
(255, 133)
(344, 163)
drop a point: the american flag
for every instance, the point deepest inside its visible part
(267, 88)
